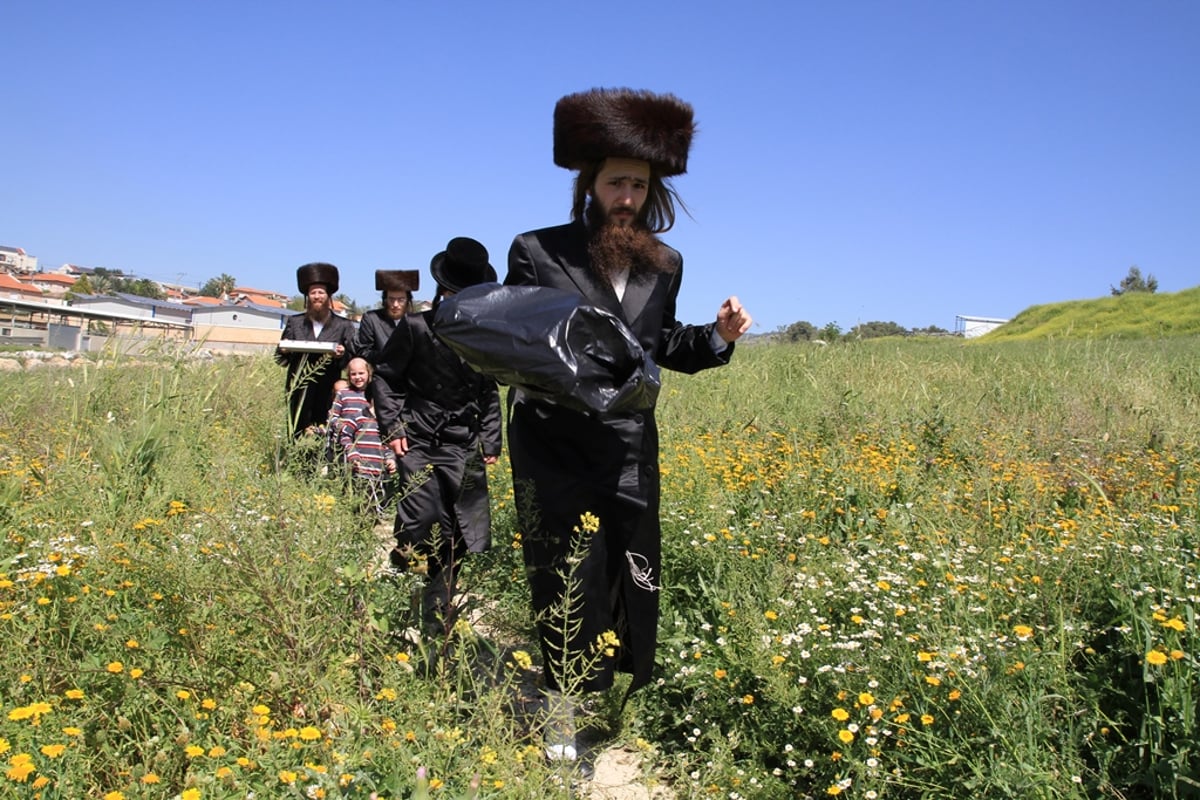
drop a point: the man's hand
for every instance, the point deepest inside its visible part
(732, 320)
(399, 446)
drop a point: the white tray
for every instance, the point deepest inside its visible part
(298, 346)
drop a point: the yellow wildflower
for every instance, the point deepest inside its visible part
(20, 767)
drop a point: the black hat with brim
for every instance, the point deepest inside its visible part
(463, 263)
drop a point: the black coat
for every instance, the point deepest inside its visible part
(387, 386)
(310, 376)
(451, 416)
(566, 463)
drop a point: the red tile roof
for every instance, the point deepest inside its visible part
(10, 285)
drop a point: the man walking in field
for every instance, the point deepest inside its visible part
(587, 483)
(374, 329)
(314, 347)
(448, 433)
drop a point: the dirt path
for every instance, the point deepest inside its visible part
(618, 771)
(619, 777)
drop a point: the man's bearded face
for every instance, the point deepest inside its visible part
(318, 300)
(621, 188)
(619, 239)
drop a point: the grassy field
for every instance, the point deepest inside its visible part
(1134, 315)
(893, 569)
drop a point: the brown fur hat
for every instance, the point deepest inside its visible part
(317, 272)
(397, 280)
(623, 123)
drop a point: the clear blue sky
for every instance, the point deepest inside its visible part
(855, 161)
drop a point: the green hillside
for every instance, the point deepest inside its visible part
(1128, 316)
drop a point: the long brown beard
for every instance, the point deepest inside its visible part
(613, 248)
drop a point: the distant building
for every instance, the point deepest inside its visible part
(41, 308)
(15, 259)
(54, 284)
(202, 300)
(240, 327)
(970, 327)
(259, 294)
(266, 301)
(75, 270)
(133, 307)
(14, 289)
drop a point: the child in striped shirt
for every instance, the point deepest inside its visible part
(352, 426)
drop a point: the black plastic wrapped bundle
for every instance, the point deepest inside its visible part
(551, 345)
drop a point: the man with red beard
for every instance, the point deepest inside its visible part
(311, 372)
(587, 483)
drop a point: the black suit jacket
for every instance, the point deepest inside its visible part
(387, 386)
(309, 400)
(558, 257)
(567, 462)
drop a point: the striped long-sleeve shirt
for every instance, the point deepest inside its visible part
(356, 431)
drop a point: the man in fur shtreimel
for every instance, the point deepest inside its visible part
(588, 482)
(374, 329)
(311, 375)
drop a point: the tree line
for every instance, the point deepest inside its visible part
(805, 331)
(113, 281)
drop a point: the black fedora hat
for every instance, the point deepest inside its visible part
(463, 263)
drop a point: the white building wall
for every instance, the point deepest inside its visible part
(971, 327)
(249, 317)
(15, 259)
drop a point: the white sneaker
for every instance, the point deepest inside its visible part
(558, 735)
(561, 752)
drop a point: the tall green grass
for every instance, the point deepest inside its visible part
(892, 569)
(1135, 315)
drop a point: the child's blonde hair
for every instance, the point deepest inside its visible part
(367, 364)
